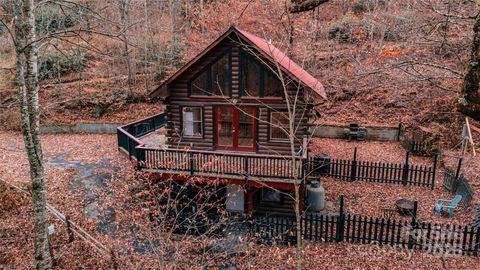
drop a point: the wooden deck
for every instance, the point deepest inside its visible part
(145, 144)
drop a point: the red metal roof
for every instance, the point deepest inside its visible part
(269, 51)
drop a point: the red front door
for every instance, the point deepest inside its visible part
(235, 128)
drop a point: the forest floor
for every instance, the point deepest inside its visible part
(89, 181)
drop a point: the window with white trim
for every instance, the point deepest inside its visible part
(192, 121)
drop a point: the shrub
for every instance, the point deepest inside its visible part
(51, 18)
(361, 6)
(353, 30)
(53, 64)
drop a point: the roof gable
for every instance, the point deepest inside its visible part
(264, 47)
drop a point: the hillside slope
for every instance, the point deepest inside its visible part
(381, 62)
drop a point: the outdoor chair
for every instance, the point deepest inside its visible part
(447, 205)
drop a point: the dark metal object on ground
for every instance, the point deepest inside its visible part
(356, 132)
(405, 207)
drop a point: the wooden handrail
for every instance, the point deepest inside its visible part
(124, 132)
(141, 120)
(142, 147)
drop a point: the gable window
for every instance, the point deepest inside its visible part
(250, 77)
(214, 80)
(192, 121)
(279, 126)
(258, 80)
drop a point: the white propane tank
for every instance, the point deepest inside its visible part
(315, 196)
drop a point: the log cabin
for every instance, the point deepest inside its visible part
(238, 116)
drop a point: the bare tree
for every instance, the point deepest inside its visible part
(27, 81)
(124, 14)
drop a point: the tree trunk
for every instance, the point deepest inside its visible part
(124, 8)
(469, 103)
(27, 81)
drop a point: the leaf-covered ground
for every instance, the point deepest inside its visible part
(370, 198)
(74, 164)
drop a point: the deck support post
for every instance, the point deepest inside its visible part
(249, 201)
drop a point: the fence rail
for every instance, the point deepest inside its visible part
(380, 172)
(431, 237)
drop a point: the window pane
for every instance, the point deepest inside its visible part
(199, 85)
(224, 131)
(245, 128)
(279, 125)
(250, 77)
(272, 85)
(192, 121)
(220, 76)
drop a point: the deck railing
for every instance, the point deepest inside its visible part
(245, 166)
(204, 163)
(128, 135)
(252, 165)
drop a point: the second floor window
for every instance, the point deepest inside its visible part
(192, 121)
(214, 80)
(257, 80)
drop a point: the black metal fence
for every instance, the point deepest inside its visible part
(464, 189)
(380, 172)
(421, 148)
(458, 184)
(431, 237)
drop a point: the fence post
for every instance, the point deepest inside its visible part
(69, 229)
(340, 221)
(353, 172)
(399, 131)
(457, 174)
(140, 155)
(405, 170)
(413, 224)
(192, 168)
(435, 159)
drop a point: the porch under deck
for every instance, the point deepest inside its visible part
(239, 198)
